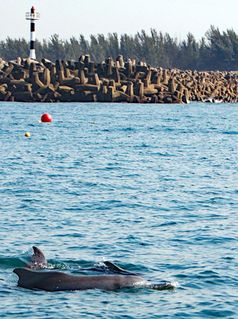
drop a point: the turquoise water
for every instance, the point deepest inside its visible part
(152, 188)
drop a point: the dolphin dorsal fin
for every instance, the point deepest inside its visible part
(37, 259)
(117, 269)
(24, 277)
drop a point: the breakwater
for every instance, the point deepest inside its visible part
(26, 80)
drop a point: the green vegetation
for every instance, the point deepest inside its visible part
(215, 51)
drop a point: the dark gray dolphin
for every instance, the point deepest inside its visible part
(57, 281)
(109, 267)
(116, 269)
(37, 259)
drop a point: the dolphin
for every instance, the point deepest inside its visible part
(109, 267)
(58, 281)
(38, 259)
(117, 278)
(116, 269)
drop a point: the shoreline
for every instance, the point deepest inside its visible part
(25, 80)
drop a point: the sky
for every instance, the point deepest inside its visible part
(73, 17)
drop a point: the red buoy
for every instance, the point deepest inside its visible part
(46, 117)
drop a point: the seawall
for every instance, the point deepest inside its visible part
(25, 80)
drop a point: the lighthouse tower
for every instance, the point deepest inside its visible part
(32, 16)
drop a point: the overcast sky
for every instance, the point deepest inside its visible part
(73, 17)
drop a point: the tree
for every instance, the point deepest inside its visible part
(215, 51)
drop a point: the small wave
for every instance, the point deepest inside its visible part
(174, 284)
(128, 129)
(169, 223)
(230, 132)
(164, 285)
(217, 313)
(11, 262)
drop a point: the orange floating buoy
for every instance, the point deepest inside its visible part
(27, 134)
(46, 117)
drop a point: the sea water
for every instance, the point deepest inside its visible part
(152, 188)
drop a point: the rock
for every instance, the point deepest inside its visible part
(23, 96)
(28, 80)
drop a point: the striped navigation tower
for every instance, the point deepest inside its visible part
(32, 16)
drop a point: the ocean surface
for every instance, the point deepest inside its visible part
(152, 188)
